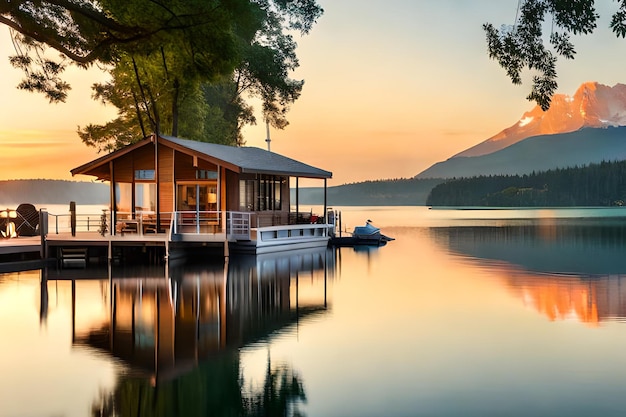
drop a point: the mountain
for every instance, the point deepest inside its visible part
(576, 130)
(539, 153)
(593, 105)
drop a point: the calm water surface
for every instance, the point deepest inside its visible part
(466, 313)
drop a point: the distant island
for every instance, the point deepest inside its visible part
(41, 191)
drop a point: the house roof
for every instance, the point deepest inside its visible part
(249, 160)
(252, 160)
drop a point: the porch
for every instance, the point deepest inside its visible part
(248, 230)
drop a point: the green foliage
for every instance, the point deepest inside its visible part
(170, 50)
(174, 85)
(522, 46)
(104, 224)
(213, 388)
(596, 185)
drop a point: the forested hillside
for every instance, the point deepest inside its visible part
(394, 192)
(15, 192)
(602, 184)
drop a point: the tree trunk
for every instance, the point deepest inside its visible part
(175, 108)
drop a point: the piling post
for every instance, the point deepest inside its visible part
(73, 217)
(43, 231)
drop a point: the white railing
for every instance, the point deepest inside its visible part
(140, 222)
(62, 223)
(196, 222)
(238, 225)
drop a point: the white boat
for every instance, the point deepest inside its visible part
(363, 235)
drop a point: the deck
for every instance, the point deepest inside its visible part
(134, 241)
(20, 245)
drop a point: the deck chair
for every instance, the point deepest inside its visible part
(27, 221)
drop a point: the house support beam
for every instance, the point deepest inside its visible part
(325, 201)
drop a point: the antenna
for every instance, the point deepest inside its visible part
(268, 140)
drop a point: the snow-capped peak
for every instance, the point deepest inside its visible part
(593, 105)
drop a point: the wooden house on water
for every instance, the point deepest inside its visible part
(195, 193)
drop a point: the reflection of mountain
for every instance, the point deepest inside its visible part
(560, 298)
(565, 270)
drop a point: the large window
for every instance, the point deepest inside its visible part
(145, 190)
(124, 197)
(139, 195)
(261, 194)
(145, 196)
(196, 196)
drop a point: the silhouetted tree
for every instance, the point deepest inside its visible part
(521, 45)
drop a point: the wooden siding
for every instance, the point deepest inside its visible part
(184, 169)
(124, 171)
(166, 179)
(143, 157)
(232, 191)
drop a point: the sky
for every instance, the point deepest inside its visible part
(391, 87)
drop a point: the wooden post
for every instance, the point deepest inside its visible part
(113, 199)
(297, 199)
(325, 201)
(157, 179)
(43, 231)
(73, 217)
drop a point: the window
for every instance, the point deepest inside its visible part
(203, 174)
(261, 194)
(123, 197)
(200, 197)
(145, 196)
(144, 174)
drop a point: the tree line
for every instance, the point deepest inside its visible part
(602, 184)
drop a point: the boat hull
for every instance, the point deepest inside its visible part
(284, 238)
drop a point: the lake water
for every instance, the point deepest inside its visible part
(466, 313)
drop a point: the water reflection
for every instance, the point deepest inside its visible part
(178, 331)
(581, 248)
(562, 269)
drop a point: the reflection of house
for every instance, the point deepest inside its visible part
(210, 193)
(167, 327)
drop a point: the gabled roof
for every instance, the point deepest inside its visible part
(251, 160)
(97, 165)
(248, 160)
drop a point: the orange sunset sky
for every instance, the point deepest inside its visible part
(391, 87)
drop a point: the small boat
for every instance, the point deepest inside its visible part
(369, 233)
(363, 235)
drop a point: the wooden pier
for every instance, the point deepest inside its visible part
(16, 246)
(91, 247)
